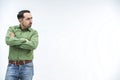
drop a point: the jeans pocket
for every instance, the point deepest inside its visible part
(12, 70)
(28, 69)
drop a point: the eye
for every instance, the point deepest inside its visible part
(29, 18)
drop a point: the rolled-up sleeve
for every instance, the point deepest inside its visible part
(32, 43)
(13, 41)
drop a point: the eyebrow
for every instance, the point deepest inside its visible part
(29, 18)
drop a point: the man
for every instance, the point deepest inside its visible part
(22, 40)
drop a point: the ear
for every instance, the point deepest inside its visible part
(20, 20)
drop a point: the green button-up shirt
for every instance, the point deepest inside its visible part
(20, 49)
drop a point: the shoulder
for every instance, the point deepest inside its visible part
(33, 30)
(14, 27)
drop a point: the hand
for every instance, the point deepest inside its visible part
(12, 34)
(26, 40)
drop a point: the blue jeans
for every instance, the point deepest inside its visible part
(21, 72)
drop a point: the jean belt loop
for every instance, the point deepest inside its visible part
(23, 61)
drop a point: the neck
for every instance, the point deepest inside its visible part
(22, 27)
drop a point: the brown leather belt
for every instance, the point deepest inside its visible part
(19, 62)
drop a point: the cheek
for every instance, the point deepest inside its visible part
(25, 23)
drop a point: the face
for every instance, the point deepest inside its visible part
(26, 22)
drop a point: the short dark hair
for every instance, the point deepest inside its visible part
(20, 14)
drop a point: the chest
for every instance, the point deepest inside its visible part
(23, 34)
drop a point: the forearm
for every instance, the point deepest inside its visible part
(11, 38)
(13, 41)
(32, 43)
(29, 45)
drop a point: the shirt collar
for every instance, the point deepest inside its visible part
(27, 29)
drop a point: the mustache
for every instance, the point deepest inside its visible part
(30, 23)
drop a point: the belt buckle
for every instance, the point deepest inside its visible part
(17, 62)
(24, 62)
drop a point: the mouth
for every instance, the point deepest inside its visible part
(30, 24)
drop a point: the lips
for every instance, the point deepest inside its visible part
(30, 24)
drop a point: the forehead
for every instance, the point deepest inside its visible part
(27, 15)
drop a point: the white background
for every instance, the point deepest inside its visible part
(78, 39)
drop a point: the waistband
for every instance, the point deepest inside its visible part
(19, 62)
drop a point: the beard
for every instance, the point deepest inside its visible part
(30, 24)
(27, 26)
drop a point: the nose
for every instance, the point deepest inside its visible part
(30, 21)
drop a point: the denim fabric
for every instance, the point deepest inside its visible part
(21, 72)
